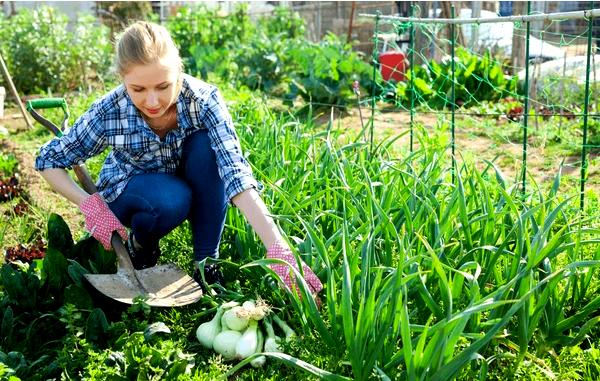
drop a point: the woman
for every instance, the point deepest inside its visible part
(175, 156)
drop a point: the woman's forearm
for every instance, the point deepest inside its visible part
(257, 214)
(61, 182)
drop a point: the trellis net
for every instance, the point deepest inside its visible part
(470, 81)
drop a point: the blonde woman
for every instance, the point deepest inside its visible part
(175, 156)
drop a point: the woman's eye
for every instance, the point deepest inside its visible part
(163, 87)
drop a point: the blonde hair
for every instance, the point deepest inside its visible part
(145, 43)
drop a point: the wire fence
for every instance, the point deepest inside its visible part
(456, 70)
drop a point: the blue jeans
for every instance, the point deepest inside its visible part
(153, 204)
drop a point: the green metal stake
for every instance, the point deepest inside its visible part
(375, 66)
(453, 92)
(586, 103)
(526, 103)
(412, 76)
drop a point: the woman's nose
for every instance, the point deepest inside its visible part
(152, 99)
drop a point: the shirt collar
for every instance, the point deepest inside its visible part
(136, 122)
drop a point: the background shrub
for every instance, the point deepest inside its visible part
(43, 54)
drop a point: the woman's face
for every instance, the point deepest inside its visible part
(153, 88)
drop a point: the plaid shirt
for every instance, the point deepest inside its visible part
(113, 121)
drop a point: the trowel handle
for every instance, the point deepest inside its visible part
(122, 254)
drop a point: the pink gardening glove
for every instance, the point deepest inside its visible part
(281, 251)
(100, 220)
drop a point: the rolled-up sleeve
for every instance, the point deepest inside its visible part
(233, 167)
(85, 139)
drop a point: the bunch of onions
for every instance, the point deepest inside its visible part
(234, 331)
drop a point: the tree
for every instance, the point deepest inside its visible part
(118, 14)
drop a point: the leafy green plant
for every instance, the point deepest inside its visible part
(261, 64)
(283, 21)
(207, 39)
(477, 79)
(8, 165)
(42, 55)
(45, 306)
(271, 56)
(323, 73)
(137, 355)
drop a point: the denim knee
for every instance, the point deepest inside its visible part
(153, 205)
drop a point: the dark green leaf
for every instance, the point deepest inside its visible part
(55, 268)
(12, 281)
(85, 250)
(96, 326)
(76, 272)
(7, 327)
(22, 287)
(78, 296)
(105, 262)
(59, 235)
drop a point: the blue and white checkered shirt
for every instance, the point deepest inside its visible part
(113, 121)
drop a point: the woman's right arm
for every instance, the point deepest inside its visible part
(61, 182)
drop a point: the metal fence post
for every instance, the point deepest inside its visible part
(373, 97)
(453, 92)
(412, 77)
(586, 104)
(526, 103)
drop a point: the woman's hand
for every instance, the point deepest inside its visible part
(100, 220)
(280, 250)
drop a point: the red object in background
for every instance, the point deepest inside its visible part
(393, 65)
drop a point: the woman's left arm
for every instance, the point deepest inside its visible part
(254, 209)
(240, 188)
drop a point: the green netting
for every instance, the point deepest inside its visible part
(466, 77)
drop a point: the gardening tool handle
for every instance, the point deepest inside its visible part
(44, 103)
(84, 178)
(45, 122)
(47, 103)
(80, 171)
